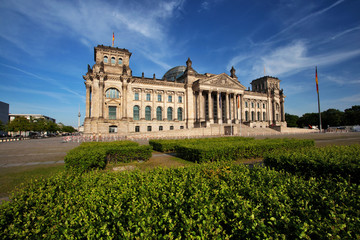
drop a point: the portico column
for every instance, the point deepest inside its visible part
(210, 107)
(241, 108)
(202, 106)
(282, 111)
(227, 112)
(87, 110)
(219, 108)
(234, 108)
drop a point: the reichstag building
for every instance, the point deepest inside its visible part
(119, 103)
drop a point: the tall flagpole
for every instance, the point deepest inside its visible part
(317, 90)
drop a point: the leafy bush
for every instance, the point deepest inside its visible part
(95, 155)
(225, 151)
(170, 145)
(210, 201)
(329, 161)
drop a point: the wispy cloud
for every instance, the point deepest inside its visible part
(46, 79)
(342, 81)
(303, 19)
(294, 57)
(345, 32)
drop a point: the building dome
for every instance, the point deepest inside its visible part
(174, 73)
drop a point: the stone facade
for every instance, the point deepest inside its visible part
(119, 103)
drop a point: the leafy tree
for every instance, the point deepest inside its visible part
(308, 119)
(352, 115)
(332, 117)
(2, 126)
(19, 124)
(51, 127)
(68, 129)
(291, 120)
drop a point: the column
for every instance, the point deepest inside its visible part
(282, 111)
(202, 106)
(210, 106)
(241, 108)
(142, 105)
(175, 99)
(124, 100)
(227, 120)
(219, 108)
(101, 97)
(234, 108)
(153, 108)
(88, 103)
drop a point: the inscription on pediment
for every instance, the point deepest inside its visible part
(221, 81)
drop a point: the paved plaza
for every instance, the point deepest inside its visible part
(53, 150)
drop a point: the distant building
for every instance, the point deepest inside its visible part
(4, 112)
(31, 116)
(119, 103)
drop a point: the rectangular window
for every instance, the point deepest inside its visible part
(159, 97)
(181, 127)
(169, 98)
(246, 104)
(148, 97)
(149, 128)
(137, 128)
(252, 105)
(180, 99)
(171, 127)
(160, 128)
(112, 112)
(136, 96)
(258, 105)
(263, 105)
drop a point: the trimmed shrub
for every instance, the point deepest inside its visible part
(170, 145)
(210, 201)
(227, 151)
(331, 161)
(95, 155)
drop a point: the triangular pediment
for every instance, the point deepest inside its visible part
(222, 80)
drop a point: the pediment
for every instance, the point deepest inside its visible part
(222, 80)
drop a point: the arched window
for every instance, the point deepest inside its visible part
(105, 59)
(264, 116)
(252, 116)
(179, 114)
(148, 113)
(258, 116)
(112, 60)
(246, 116)
(169, 114)
(112, 93)
(120, 61)
(136, 112)
(158, 113)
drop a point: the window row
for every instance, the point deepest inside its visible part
(159, 113)
(149, 128)
(113, 60)
(253, 116)
(159, 97)
(252, 105)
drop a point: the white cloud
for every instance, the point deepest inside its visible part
(341, 80)
(294, 57)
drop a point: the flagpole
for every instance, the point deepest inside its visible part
(318, 95)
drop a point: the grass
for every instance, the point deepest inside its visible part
(12, 177)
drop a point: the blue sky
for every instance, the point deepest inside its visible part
(47, 44)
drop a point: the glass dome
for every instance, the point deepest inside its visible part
(174, 73)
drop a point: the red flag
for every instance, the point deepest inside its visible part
(238, 102)
(113, 39)
(316, 79)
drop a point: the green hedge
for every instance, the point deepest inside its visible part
(211, 201)
(96, 155)
(225, 151)
(170, 145)
(329, 161)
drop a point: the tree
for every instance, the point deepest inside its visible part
(19, 124)
(307, 119)
(291, 120)
(332, 117)
(2, 126)
(68, 129)
(352, 115)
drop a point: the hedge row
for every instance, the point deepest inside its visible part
(96, 155)
(170, 145)
(327, 162)
(225, 151)
(210, 201)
